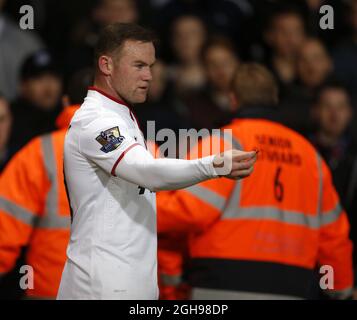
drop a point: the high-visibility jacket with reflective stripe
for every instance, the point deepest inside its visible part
(34, 210)
(265, 233)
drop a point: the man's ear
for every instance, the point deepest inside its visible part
(105, 64)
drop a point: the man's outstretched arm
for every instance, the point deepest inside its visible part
(139, 167)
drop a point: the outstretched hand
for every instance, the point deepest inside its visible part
(235, 164)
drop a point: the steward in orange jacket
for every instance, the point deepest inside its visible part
(262, 237)
(34, 210)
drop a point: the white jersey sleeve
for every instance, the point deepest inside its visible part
(112, 147)
(140, 167)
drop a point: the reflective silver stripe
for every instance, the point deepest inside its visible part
(233, 203)
(320, 184)
(289, 216)
(262, 213)
(17, 212)
(218, 294)
(273, 213)
(331, 216)
(51, 218)
(206, 195)
(339, 294)
(171, 280)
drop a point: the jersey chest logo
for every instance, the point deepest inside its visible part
(110, 139)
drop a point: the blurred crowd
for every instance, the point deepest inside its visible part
(200, 44)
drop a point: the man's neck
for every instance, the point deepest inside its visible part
(105, 86)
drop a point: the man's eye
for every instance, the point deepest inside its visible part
(140, 66)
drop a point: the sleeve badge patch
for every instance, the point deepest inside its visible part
(110, 139)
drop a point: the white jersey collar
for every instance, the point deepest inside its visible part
(110, 101)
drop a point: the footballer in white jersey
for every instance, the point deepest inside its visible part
(111, 178)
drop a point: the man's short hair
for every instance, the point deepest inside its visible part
(113, 37)
(330, 84)
(254, 84)
(282, 10)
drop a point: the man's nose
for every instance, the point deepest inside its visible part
(147, 75)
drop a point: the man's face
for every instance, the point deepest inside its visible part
(334, 111)
(5, 123)
(188, 38)
(44, 91)
(220, 64)
(131, 74)
(314, 63)
(286, 35)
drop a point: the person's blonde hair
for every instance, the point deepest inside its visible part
(253, 84)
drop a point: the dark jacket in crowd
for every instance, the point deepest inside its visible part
(30, 121)
(342, 160)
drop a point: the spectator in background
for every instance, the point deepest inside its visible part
(314, 63)
(85, 34)
(333, 113)
(284, 36)
(228, 17)
(345, 55)
(39, 102)
(5, 128)
(314, 67)
(15, 45)
(212, 106)
(188, 38)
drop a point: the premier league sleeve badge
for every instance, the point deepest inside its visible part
(110, 139)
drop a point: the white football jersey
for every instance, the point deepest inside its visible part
(112, 253)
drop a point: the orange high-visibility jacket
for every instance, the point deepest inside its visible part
(171, 254)
(262, 237)
(34, 210)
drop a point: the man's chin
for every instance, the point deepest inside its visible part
(139, 100)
